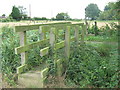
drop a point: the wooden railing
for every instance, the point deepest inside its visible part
(53, 30)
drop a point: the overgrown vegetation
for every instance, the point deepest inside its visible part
(96, 64)
(91, 65)
(10, 61)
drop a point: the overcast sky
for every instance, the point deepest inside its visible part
(49, 8)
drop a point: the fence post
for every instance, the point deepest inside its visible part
(95, 29)
(82, 36)
(52, 43)
(24, 57)
(23, 42)
(42, 33)
(67, 43)
(77, 35)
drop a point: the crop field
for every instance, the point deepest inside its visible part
(74, 57)
(99, 23)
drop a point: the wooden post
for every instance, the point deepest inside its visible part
(95, 29)
(52, 43)
(67, 43)
(77, 34)
(42, 33)
(82, 36)
(23, 42)
(86, 28)
(52, 37)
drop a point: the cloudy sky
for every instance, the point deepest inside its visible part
(49, 8)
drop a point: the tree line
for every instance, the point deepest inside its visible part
(92, 12)
(110, 12)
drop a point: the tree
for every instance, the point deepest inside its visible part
(117, 9)
(62, 16)
(3, 15)
(109, 12)
(16, 13)
(22, 12)
(92, 11)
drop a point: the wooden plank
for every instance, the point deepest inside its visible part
(44, 51)
(44, 72)
(30, 46)
(59, 45)
(72, 39)
(21, 69)
(33, 27)
(23, 42)
(59, 67)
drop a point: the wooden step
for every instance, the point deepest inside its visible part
(34, 78)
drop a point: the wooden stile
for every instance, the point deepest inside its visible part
(53, 28)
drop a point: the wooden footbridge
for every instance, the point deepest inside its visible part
(37, 77)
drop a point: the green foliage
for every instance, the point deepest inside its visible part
(92, 11)
(87, 67)
(109, 12)
(16, 13)
(38, 18)
(22, 12)
(105, 33)
(9, 60)
(4, 15)
(62, 16)
(9, 19)
(117, 8)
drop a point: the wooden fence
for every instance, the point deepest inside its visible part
(53, 30)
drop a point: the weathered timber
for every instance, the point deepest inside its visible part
(21, 69)
(52, 37)
(44, 72)
(30, 46)
(82, 36)
(59, 45)
(44, 51)
(42, 31)
(72, 39)
(77, 34)
(67, 42)
(59, 67)
(23, 42)
(34, 27)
